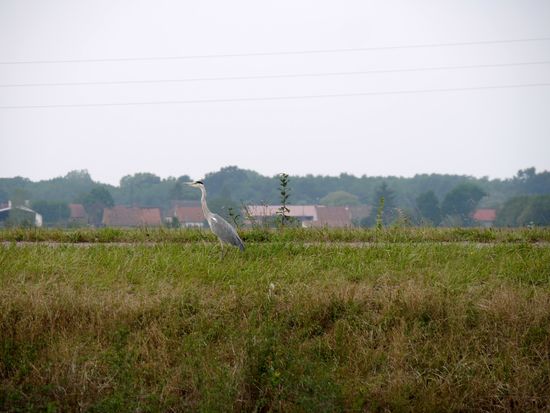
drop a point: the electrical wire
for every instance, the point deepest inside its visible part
(276, 76)
(276, 98)
(281, 53)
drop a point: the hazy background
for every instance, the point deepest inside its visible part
(484, 132)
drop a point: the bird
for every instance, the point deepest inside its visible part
(219, 226)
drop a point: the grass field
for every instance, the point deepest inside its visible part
(393, 320)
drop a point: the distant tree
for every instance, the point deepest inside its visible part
(19, 196)
(462, 201)
(529, 182)
(537, 211)
(177, 191)
(52, 212)
(4, 197)
(81, 175)
(368, 221)
(95, 201)
(525, 210)
(223, 207)
(174, 222)
(140, 179)
(339, 198)
(508, 215)
(428, 207)
(20, 218)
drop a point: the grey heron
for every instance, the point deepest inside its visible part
(219, 226)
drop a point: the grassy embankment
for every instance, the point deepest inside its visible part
(417, 319)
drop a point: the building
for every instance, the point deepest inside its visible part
(19, 215)
(485, 217)
(307, 215)
(188, 216)
(264, 214)
(332, 217)
(78, 214)
(131, 217)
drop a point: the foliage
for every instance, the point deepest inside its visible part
(52, 212)
(339, 198)
(537, 211)
(223, 206)
(428, 207)
(532, 182)
(19, 218)
(248, 187)
(461, 201)
(4, 197)
(380, 214)
(234, 217)
(385, 197)
(284, 191)
(95, 201)
(525, 210)
(147, 189)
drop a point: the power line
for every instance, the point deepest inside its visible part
(281, 53)
(276, 76)
(277, 98)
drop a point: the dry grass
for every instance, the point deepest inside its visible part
(172, 328)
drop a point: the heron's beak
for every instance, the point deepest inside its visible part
(189, 183)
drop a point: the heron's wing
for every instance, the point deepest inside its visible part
(225, 231)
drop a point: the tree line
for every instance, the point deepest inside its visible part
(433, 199)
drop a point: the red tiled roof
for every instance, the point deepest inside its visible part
(121, 216)
(486, 214)
(187, 214)
(150, 217)
(77, 211)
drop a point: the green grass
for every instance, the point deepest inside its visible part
(288, 325)
(391, 234)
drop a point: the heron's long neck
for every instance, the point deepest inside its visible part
(205, 209)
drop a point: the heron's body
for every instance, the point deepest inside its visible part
(224, 231)
(219, 226)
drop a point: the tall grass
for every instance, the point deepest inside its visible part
(284, 326)
(391, 234)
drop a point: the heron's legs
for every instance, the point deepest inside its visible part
(223, 251)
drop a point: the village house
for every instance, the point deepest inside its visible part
(307, 215)
(131, 217)
(19, 215)
(188, 216)
(77, 215)
(264, 214)
(332, 217)
(485, 217)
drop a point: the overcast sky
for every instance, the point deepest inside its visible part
(476, 127)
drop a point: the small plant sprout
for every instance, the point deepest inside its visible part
(284, 191)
